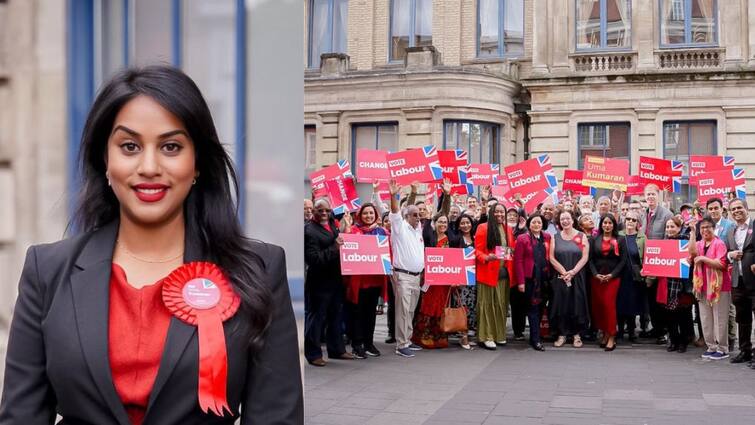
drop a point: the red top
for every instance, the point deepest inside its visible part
(136, 336)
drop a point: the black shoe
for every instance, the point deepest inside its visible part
(603, 344)
(682, 348)
(611, 348)
(390, 340)
(372, 351)
(661, 340)
(672, 348)
(742, 357)
(538, 347)
(518, 337)
(752, 365)
(359, 353)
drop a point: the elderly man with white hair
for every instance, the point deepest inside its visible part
(408, 264)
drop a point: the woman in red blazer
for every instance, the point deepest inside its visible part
(493, 275)
(531, 271)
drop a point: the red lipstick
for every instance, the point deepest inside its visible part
(150, 192)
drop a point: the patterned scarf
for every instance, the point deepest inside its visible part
(712, 278)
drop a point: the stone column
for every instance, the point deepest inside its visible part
(559, 15)
(418, 129)
(327, 138)
(643, 27)
(730, 34)
(540, 46)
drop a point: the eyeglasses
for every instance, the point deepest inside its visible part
(323, 210)
(736, 208)
(413, 215)
(631, 219)
(707, 226)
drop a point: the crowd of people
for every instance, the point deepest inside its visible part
(572, 270)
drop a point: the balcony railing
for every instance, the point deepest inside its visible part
(684, 60)
(603, 63)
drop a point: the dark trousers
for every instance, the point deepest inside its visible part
(628, 324)
(656, 311)
(519, 309)
(743, 299)
(534, 312)
(323, 306)
(391, 310)
(363, 317)
(679, 324)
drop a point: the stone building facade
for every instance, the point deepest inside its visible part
(622, 78)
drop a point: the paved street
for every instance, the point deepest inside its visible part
(640, 384)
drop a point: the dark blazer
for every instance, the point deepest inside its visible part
(607, 264)
(748, 255)
(57, 360)
(322, 256)
(524, 258)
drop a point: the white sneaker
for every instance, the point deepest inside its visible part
(490, 345)
(560, 341)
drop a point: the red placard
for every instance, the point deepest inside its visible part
(365, 254)
(453, 163)
(384, 192)
(718, 184)
(606, 173)
(573, 181)
(635, 186)
(415, 165)
(707, 163)
(343, 195)
(372, 166)
(339, 170)
(667, 258)
(529, 201)
(449, 266)
(500, 191)
(483, 174)
(664, 173)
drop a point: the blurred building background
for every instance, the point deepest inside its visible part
(55, 54)
(509, 79)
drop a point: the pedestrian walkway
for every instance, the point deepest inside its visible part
(640, 384)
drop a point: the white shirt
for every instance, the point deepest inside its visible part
(551, 229)
(408, 246)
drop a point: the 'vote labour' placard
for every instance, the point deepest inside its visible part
(372, 166)
(454, 163)
(665, 173)
(718, 184)
(699, 164)
(483, 174)
(339, 170)
(415, 165)
(365, 254)
(449, 266)
(667, 258)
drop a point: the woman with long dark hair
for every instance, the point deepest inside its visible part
(531, 272)
(608, 253)
(493, 274)
(464, 239)
(363, 291)
(159, 310)
(675, 297)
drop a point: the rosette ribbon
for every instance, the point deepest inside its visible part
(199, 294)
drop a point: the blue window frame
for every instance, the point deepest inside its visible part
(688, 23)
(608, 140)
(500, 28)
(682, 139)
(327, 28)
(603, 24)
(411, 25)
(381, 136)
(103, 39)
(480, 139)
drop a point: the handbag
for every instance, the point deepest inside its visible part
(453, 319)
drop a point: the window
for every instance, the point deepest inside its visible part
(382, 137)
(688, 23)
(327, 28)
(608, 140)
(411, 26)
(479, 139)
(500, 28)
(682, 139)
(604, 24)
(310, 149)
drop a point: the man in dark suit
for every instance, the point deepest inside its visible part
(741, 247)
(323, 287)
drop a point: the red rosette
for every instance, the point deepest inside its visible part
(199, 294)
